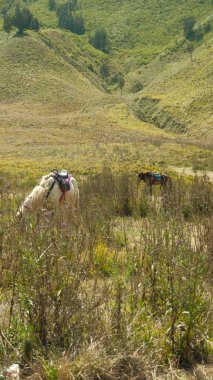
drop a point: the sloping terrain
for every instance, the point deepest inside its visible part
(138, 30)
(32, 72)
(180, 96)
(123, 295)
(56, 107)
(50, 110)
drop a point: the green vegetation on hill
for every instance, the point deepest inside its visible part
(56, 81)
(21, 19)
(142, 27)
(123, 289)
(180, 97)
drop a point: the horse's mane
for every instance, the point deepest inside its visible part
(36, 197)
(46, 181)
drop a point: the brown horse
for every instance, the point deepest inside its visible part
(151, 179)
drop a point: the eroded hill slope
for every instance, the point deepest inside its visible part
(179, 92)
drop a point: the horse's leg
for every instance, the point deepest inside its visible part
(162, 188)
(77, 201)
(38, 217)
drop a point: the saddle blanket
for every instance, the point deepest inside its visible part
(157, 176)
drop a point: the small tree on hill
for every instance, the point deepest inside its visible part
(67, 7)
(104, 70)
(8, 23)
(35, 25)
(78, 25)
(190, 49)
(22, 19)
(121, 81)
(52, 5)
(188, 28)
(207, 27)
(73, 5)
(74, 23)
(62, 13)
(100, 40)
(68, 20)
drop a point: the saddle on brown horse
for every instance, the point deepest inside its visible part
(151, 178)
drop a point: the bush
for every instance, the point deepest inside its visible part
(188, 28)
(143, 208)
(22, 20)
(68, 20)
(8, 23)
(91, 68)
(35, 24)
(137, 86)
(104, 70)
(100, 40)
(121, 81)
(208, 27)
(52, 5)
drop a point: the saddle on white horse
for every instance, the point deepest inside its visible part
(63, 178)
(55, 189)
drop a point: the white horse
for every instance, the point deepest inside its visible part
(54, 191)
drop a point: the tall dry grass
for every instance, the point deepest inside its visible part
(121, 291)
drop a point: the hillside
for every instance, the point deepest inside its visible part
(138, 30)
(56, 106)
(180, 96)
(121, 286)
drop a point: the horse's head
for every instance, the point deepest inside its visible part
(141, 176)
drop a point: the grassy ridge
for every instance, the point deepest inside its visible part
(43, 74)
(142, 27)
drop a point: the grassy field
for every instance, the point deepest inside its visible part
(124, 289)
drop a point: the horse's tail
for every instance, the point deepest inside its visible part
(74, 184)
(169, 181)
